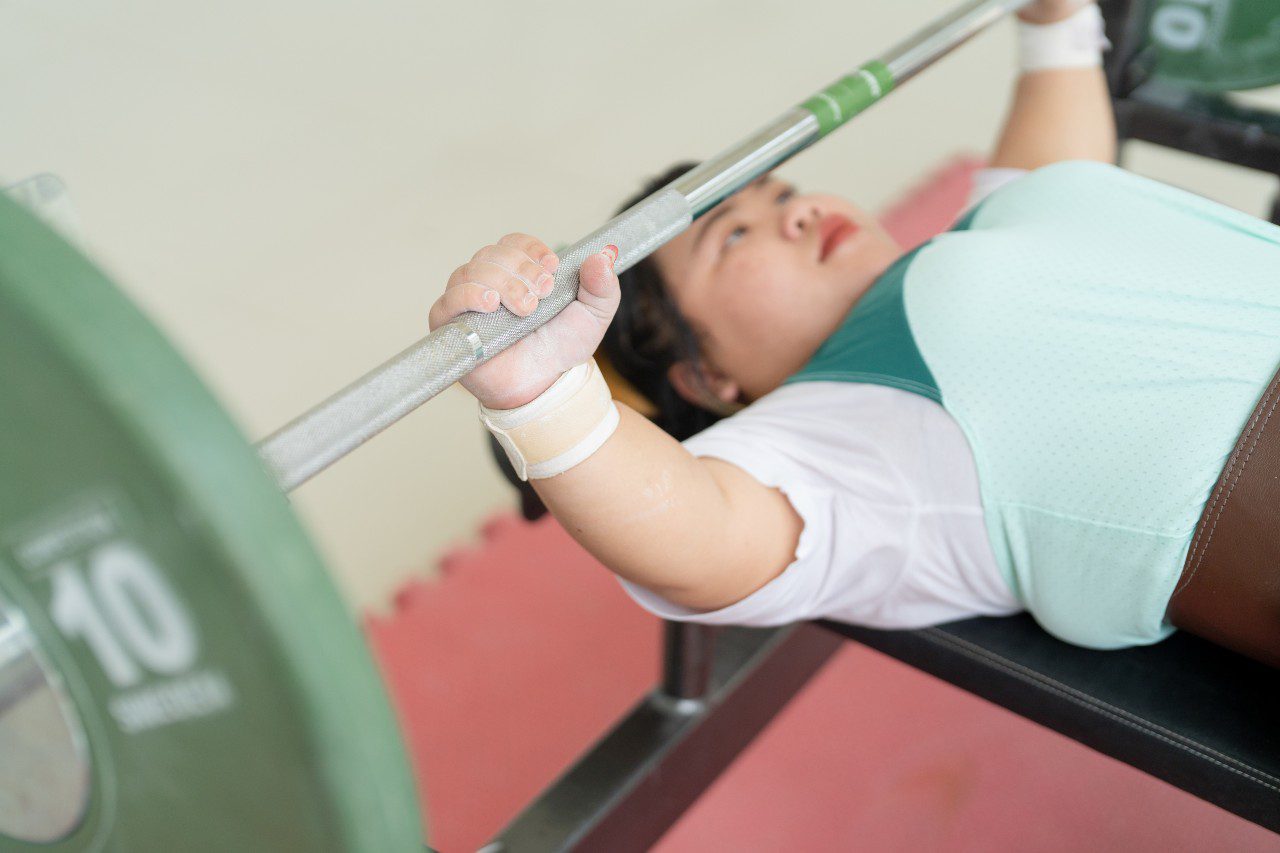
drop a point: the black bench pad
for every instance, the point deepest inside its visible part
(1188, 712)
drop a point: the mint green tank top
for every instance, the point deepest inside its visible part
(1101, 339)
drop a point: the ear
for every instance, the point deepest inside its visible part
(704, 386)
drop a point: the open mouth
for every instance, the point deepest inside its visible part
(834, 229)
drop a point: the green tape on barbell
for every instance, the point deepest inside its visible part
(849, 95)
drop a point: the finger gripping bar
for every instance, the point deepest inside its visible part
(636, 232)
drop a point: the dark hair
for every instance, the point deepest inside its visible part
(648, 335)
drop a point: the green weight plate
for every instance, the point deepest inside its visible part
(1216, 45)
(217, 690)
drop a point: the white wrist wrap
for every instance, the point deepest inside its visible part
(560, 428)
(1075, 42)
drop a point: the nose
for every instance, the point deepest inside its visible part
(799, 217)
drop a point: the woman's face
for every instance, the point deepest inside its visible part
(766, 276)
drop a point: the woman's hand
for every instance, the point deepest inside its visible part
(1051, 11)
(516, 272)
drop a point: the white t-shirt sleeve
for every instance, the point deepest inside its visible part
(872, 551)
(987, 181)
(797, 592)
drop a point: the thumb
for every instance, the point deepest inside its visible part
(599, 288)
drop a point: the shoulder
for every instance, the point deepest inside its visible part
(794, 414)
(987, 181)
(857, 440)
(1067, 173)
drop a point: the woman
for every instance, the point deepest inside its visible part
(1029, 412)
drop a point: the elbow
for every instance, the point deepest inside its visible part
(721, 587)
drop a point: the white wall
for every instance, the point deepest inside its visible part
(285, 186)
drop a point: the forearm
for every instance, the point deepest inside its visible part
(1061, 108)
(701, 533)
(1058, 114)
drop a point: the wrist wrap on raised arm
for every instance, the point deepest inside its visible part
(1074, 42)
(559, 428)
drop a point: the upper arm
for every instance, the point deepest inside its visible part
(1060, 114)
(756, 540)
(697, 531)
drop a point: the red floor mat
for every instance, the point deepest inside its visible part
(526, 651)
